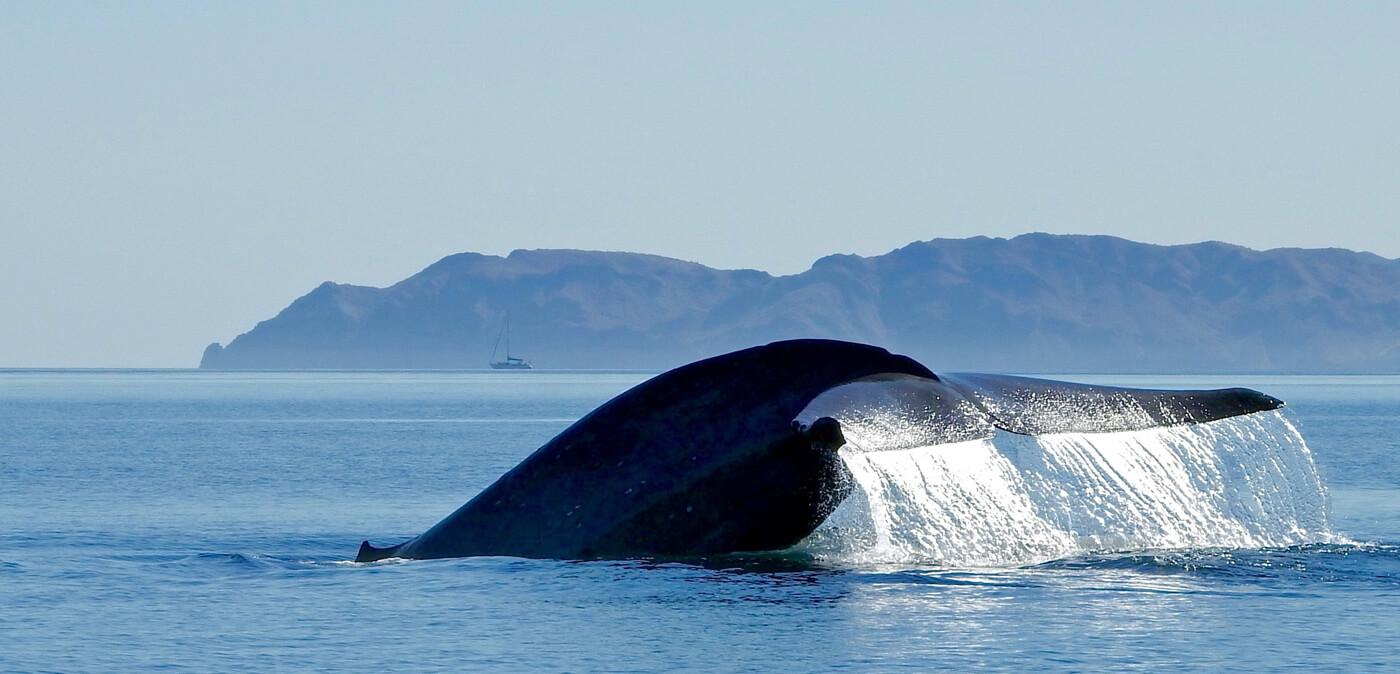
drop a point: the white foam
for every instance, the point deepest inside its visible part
(1242, 482)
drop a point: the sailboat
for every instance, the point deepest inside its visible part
(511, 362)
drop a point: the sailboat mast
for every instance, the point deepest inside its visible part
(507, 335)
(496, 347)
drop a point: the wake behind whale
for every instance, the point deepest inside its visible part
(851, 452)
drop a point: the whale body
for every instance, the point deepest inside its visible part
(739, 452)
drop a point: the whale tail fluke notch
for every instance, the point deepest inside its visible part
(369, 553)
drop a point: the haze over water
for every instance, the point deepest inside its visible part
(201, 521)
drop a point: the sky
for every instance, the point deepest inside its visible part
(173, 173)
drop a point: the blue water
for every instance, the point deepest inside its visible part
(202, 521)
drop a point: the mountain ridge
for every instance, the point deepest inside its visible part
(1035, 302)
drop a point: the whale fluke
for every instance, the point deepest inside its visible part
(740, 452)
(1031, 406)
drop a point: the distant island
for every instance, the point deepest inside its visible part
(1033, 303)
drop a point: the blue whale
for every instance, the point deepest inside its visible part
(739, 452)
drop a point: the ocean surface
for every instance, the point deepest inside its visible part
(203, 521)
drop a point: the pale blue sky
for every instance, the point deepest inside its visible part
(172, 173)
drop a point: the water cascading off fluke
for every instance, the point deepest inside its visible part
(1010, 499)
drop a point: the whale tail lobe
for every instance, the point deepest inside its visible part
(369, 553)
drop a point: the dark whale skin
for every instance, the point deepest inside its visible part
(700, 460)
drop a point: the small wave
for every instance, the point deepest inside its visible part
(1315, 563)
(237, 563)
(234, 559)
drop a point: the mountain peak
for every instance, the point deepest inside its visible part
(1034, 302)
